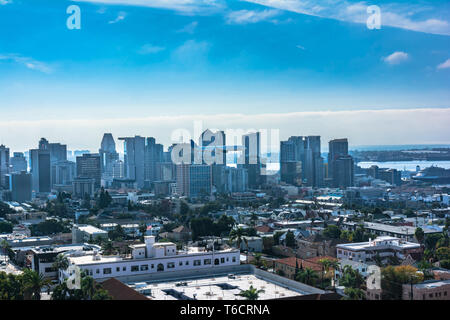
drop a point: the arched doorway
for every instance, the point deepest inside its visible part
(160, 267)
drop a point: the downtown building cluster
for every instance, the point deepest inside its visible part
(194, 170)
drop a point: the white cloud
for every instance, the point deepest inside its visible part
(150, 49)
(399, 15)
(183, 6)
(28, 62)
(191, 53)
(189, 28)
(361, 127)
(444, 65)
(121, 16)
(250, 16)
(5, 2)
(396, 58)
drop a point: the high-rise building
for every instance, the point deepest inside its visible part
(89, 166)
(118, 168)
(392, 176)
(4, 165)
(154, 154)
(20, 186)
(83, 186)
(58, 152)
(343, 172)
(108, 155)
(336, 148)
(235, 179)
(63, 173)
(300, 161)
(194, 180)
(292, 159)
(251, 144)
(40, 169)
(134, 159)
(18, 162)
(340, 164)
(213, 149)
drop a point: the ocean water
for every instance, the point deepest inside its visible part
(405, 165)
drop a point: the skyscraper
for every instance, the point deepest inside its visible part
(20, 186)
(213, 149)
(300, 161)
(40, 169)
(18, 162)
(194, 180)
(313, 168)
(154, 154)
(340, 164)
(134, 159)
(252, 158)
(292, 159)
(336, 148)
(58, 151)
(63, 173)
(108, 155)
(343, 172)
(89, 166)
(4, 165)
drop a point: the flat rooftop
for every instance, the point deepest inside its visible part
(214, 288)
(432, 284)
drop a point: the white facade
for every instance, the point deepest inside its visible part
(150, 258)
(381, 246)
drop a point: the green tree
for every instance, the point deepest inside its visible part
(332, 232)
(11, 287)
(290, 239)
(351, 278)
(6, 227)
(32, 283)
(307, 275)
(419, 234)
(238, 235)
(393, 278)
(353, 294)
(258, 258)
(108, 248)
(202, 226)
(251, 293)
(142, 230)
(61, 262)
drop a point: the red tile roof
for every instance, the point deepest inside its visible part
(312, 263)
(120, 291)
(264, 229)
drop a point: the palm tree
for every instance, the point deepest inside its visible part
(61, 262)
(33, 282)
(251, 293)
(257, 257)
(307, 276)
(5, 246)
(253, 218)
(88, 287)
(353, 294)
(143, 230)
(328, 264)
(238, 236)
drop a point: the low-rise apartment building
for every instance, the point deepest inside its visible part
(382, 247)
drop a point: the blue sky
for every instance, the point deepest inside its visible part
(154, 58)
